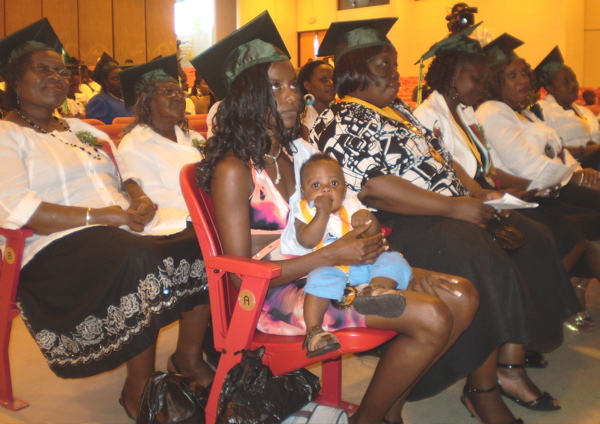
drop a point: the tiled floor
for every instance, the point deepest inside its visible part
(573, 377)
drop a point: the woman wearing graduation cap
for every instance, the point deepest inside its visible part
(521, 143)
(159, 142)
(108, 104)
(577, 125)
(399, 167)
(458, 74)
(93, 291)
(251, 169)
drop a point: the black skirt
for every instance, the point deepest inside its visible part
(524, 298)
(96, 298)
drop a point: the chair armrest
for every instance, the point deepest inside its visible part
(244, 266)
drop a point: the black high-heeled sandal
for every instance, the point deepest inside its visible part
(469, 390)
(534, 359)
(124, 405)
(542, 403)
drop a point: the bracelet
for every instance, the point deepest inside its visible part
(580, 180)
(142, 197)
(88, 217)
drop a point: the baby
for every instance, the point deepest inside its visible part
(324, 214)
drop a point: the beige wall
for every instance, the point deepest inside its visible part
(542, 24)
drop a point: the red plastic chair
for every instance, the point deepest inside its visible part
(10, 269)
(235, 314)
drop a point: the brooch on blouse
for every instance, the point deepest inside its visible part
(89, 139)
(198, 144)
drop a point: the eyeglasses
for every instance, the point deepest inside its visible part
(49, 70)
(172, 93)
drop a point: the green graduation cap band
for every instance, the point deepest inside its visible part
(344, 37)
(458, 42)
(39, 35)
(549, 66)
(136, 78)
(501, 50)
(256, 42)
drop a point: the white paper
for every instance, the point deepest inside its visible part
(551, 175)
(508, 201)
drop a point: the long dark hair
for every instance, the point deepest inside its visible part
(243, 122)
(143, 114)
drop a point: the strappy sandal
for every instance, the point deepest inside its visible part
(319, 342)
(375, 300)
(580, 323)
(470, 390)
(543, 403)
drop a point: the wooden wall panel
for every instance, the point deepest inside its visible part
(62, 14)
(95, 29)
(129, 30)
(160, 28)
(2, 17)
(20, 13)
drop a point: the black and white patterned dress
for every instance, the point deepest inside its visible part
(524, 298)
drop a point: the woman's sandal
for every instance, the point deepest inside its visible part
(124, 405)
(375, 300)
(534, 359)
(580, 323)
(469, 390)
(543, 403)
(319, 342)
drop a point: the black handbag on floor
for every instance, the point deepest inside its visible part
(251, 394)
(173, 399)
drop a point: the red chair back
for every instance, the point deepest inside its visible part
(235, 314)
(10, 270)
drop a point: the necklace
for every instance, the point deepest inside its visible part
(66, 127)
(274, 159)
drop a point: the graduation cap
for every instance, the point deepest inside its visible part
(458, 42)
(256, 42)
(549, 66)
(343, 37)
(33, 37)
(502, 49)
(104, 65)
(136, 78)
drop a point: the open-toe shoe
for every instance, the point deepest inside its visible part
(534, 359)
(542, 403)
(319, 342)
(578, 324)
(374, 300)
(124, 405)
(469, 390)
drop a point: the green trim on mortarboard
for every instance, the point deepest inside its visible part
(549, 66)
(136, 78)
(39, 35)
(501, 49)
(458, 42)
(256, 42)
(250, 54)
(344, 37)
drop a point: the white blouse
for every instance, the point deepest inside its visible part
(55, 168)
(518, 143)
(574, 130)
(157, 161)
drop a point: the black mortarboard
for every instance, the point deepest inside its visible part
(459, 42)
(502, 49)
(549, 66)
(104, 65)
(343, 37)
(256, 42)
(135, 79)
(29, 39)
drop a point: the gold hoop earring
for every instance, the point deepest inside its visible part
(452, 95)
